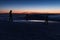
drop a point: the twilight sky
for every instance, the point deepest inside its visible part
(50, 6)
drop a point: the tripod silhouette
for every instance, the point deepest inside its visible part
(46, 19)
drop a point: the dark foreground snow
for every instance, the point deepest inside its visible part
(29, 31)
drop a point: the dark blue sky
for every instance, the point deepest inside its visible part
(30, 4)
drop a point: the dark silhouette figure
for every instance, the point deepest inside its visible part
(46, 19)
(27, 16)
(10, 16)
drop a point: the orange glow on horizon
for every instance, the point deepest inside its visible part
(31, 11)
(37, 11)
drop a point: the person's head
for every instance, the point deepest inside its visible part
(10, 10)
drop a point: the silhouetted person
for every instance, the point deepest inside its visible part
(46, 19)
(10, 16)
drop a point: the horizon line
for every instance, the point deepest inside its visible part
(31, 13)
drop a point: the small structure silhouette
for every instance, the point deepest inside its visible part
(10, 16)
(46, 19)
(27, 16)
